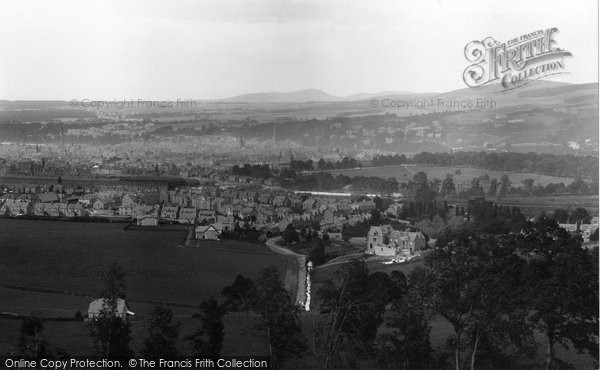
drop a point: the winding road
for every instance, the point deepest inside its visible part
(290, 280)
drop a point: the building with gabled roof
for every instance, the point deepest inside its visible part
(98, 305)
(169, 212)
(48, 197)
(385, 241)
(208, 232)
(187, 215)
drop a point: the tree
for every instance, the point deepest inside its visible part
(578, 186)
(493, 189)
(423, 195)
(475, 187)
(448, 186)
(317, 251)
(279, 318)
(380, 204)
(430, 228)
(239, 296)
(375, 217)
(580, 215)
(473, 281)
(321, 164)
(207, 340)
(435, 184)
(31, 344)
(162, 335)
(450, 286)
(290, 235)
(485, 181)
(114, 283)
(563, 288)
(408, 346)
(594, 236)
(504, 185)
(528, 185)
(561, 216)
(352, 305)
(497, 322)
(111, 334)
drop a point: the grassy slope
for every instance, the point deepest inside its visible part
(72, 257)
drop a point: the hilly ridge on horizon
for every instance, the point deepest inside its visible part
(538, 88)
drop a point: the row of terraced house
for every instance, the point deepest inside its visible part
(207, 206)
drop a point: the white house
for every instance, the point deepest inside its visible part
(209, 232)
(169, 213)
(96, 307)
(147, 221)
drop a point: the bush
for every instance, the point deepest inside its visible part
(317, 252)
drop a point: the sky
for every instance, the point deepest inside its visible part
(220, 48)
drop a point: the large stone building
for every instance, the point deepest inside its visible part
(385, 241)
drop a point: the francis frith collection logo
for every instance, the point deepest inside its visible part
(515, 62)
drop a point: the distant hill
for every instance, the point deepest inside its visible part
(538, 90)
(301, 96)
(304, 96)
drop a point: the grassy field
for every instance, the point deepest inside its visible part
(72, 257)
(404, 173)
(532, 205)
(241, 336)
(68, 259)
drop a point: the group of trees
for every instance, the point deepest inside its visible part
(388, 160)
(314, 245)
(278, 316)
(492, 187)
(545, 163)
(277, 321)
(578, 186)
(299, 165)
(315, 181)
(499, 293)
(577, 215)
(484, 185)
(258, 171)
(494, 218)
(352, 305)
(427, 203)
(244, 233)
(294, 178)
(346, 162)
(325, 181)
